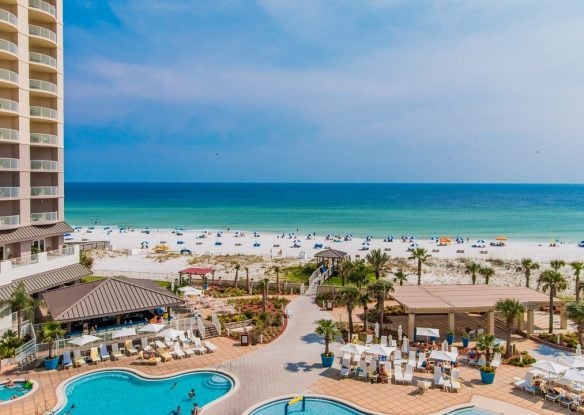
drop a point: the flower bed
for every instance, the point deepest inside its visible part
(569, 340)
(522, 359)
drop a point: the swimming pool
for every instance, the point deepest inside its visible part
(122, 392)
(314, 406)
(9, 393)
(472, 411)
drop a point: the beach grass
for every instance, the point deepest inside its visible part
(298, 273)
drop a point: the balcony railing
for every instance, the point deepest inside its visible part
(44, 6)
(8, 163)
(43, 165)
(9, 220)
(43, 112)
(6, 16)
(58, 253)
(42, 138)
(8, 75)
(8, 134)
(36, 191)
(42, 32)
(8, 46)
(41, 58)
(24, 260)
(38, 85)
(8, 105)
(6, 192)
(44, 216)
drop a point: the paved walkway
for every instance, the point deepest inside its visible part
(286, 366)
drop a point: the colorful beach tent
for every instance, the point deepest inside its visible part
(501, 238)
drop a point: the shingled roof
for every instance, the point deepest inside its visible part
(25, 233)
(331, 253)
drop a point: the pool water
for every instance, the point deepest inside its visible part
(118, 392)
(472, 411)
(17, 390)
(314, 406)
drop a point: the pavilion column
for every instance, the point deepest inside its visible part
(521, 322)
(451, 322)
(530, 322)
(491, 323)
(563, 318)
(411, 326)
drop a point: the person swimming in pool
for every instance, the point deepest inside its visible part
(192, 394)
(196, 410)
(173, 385)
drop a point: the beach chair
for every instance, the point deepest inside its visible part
(393, 343)
(187, 349)
(164, 355)
(362, 370)
(94, 355)
(103, 353)
(496, 362)
(151, 360)
(454, 350)
(178, 353)
(116, 354)
(198, 346)
(568, 399)
(144, 344)
(159, 345)
(398, 374)
(369, 340)
(552, 396)
(423, 386)
(345, 372)
(412, 358)
(409, 374)
(438, 379)
(383, 341)
(420, 365)
(67, 362)
(480, 332)
(521, 383)
(129, 348)
(481, 362)
(397, 358)
(169, 343)
(78, 360)
(210, 346)
(455, 380)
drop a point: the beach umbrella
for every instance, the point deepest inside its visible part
(379, 350)
(405, 345)
(83, 340)
(442, 355)
(574, 375)
(428, 332)
(353, 348)
(399, 332)
(501, 238)
(551, 368)
(574, 362)
(151, 328)
(125, 332)
(578, 350)
(376, 329)
(170, 334)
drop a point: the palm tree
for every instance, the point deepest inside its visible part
(379, 289)
(359, 274)
(577, 267)
(378, 261)
(277, 271)
(364, 300)
(472, 268)
(487, 272)
(575, 312)
(487, 344)
(553, 281)
(345, 269)
(350, 297)
(264, 285)
(21, 303)
(527, 265)
(511, 310)
(329, 330)
(400, 276)
(246, 269)
(51, 332)
(421, 255)
(237, 268)
(556, 264)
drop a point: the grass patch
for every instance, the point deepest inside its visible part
(298, 273)
(91, 278)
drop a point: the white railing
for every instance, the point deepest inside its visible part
(39, 85)
(43, 165)
(9, 220)
(316, 279)
(44, 217)
(36, 191)
(9, 192)
(8, 163)
(44, 6)
(8, 46)
(201, 327)
(43, 112)
(42, 138)
(58, 253)
(29, 348)
(39, 58)
(8, 75)
(216, 323)
(24, 260)
(8, 134)
(42, 32)
(6, 16)
(8, 105)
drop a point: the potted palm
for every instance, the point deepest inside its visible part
(486, 344)
(329, 331)
(465, 337)
(51, 332)
(450, 337)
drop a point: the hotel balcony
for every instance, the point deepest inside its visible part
(43, 113)
(41, 10)
(9, 192)
(41, 62)
(37, 263)
(44, 139)
(8, 107)
(43, 165)
(41, 36)
(8, 164)
(42, 88)
(8, 50)
(44, 217)
(8, 21)
(7, 222)
(8, 134)
(43, 191)
(8, 78)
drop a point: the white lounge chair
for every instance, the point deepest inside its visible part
(345, 372)
(526, 381)
(159, 345)
(438, 379)
(145, 346)
(383, 341)
(420, 365)
(78, 360)
(481, 362)
(455, 379)
(409, 374)
(496, 362)
(362, 371)
(178, 353)
(198, 346)
(454, 350)
(398, 374)
(94, 355)
(187, 349)
(412, 358)
(369, 340)
(210, 346)
(116, 354)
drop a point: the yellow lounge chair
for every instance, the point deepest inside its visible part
(164, 355)
(130, 349)
(94, 355)
(78, 360)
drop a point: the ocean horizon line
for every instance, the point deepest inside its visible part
(334, 183)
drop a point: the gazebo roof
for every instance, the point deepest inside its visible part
(196, 271)
(331, 254)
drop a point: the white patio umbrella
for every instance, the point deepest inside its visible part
(442, 355)
(353, 348)
(151, 328)
(552, 368)
(125, 332)
(376, 329)
(83, 340)
(379, 350)
(574, 362)
(428, 332)
(170, 334)
(578, 350)
(399, 332)
(574, 375)
(405, 345)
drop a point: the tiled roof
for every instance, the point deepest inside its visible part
(34, 232)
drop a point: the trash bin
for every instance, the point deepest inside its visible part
(244, 339)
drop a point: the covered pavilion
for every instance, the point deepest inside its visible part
(452, 299)
(330, 257)
(201, 272)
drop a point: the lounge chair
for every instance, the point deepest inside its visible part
(383, 341)
(481, 362)
(420, 365)
(78, 360)
(103, 353)
(345, 372)
(129, 347)
(210, 346)
(531, 389)
(423, 386)
(116, 354)
(151, 360)
(362, 370)
(144, 344)
(552, 396)
(438, 379)
(94, 355)
(177, 352)
(67, 362)
(412, 358)
(369, 340)
(398, 374)
(454, 350)
(159, 345)
(198, 346)
(455, 380)
(187, 349)
(496, 362)
(409, 374)
(568, 399)
(164, 355)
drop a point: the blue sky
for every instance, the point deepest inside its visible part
(323, 90)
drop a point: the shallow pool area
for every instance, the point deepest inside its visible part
(13, 392)
(472, 411)
(313, 406)
(122, 392)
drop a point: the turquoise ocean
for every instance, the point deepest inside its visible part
(521, 211)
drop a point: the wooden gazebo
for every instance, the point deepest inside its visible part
(330, 257)
(201, 272)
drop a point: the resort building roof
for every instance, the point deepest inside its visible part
(25, 233)
(104, 298)
(197, 271)
(331, 254)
